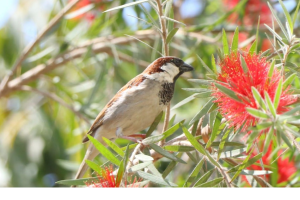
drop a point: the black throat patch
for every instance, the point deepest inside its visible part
(166, 93)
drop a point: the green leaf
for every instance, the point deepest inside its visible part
(253, 48)
(171, 122)
(225, 43)
(271, 70)
(155, 179)
(113, 146)
(255, 172)
(126, 5)
(211, 183)
(257, 113)
(143, 157)
(289, 80)
(278, 94)
(268, 139)
(228, 144)
(242, 166)
(283, 136)
(171, 166)
(235, 41)
(204, 178)
(296, 13)
(194, 173)
(139, 166)
(213, 62)
(205, 66)
(258, 99)
(76, 181)
(94, 166)
(157, 138)
(203, 95)
(199, 147)
(214, 132)
(181, 103)
(278, 21)
(122, 167)
(244, 65)
(197, 89)
(270, 104)
(171, 35)
(222, 143)
(201, 81)
(177, 148)
(165, 153)
(288, 17)
(104, 151)
(203, 111)
(154, 124)
(228, 92)
(247, 164)
(232, 153)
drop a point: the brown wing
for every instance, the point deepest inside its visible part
(99, 119)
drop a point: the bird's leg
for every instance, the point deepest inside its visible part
(119, 134)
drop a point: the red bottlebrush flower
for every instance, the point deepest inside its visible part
(234, 78)
(107, 180)
(253, 9)
(285, 168)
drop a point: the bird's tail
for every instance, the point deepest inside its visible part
(91, 153)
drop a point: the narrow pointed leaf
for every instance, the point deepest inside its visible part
(171, 35)
(270, 104)
(81, 181)
(104, 151)
(244, 65)
(232, 153)
(247, 164)
(122, 167)
(278, 20)
(255, 172)
(278, 94)
(225, 43)
(204, 178)
(222, 143)
(289, 80)
(242, 166)
(253, 48)
(143, 157)
(203, 111)
(215, 130)
(211, 183)
(296, 13)
(140, 166)
(177, 148)
(228, 92)
(257, 113)
(114, 146)
(205, 66)
(194, 173)
(213, 62)
(154, 124)
(126, 5)
(268, 139)
(271, 69)
(235, 41)
(181, 103)
(94, 166)
(155, 179)
(165, 153)
(258, 99)
(287, 16)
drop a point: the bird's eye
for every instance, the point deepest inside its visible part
(176, 62)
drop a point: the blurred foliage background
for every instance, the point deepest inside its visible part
(43, 122)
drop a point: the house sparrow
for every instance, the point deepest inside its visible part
(136, 105)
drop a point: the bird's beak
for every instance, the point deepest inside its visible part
(186, 68)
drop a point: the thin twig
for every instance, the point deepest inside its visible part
(131, 160)
(57, 99)
(30, 47)
(164, 31)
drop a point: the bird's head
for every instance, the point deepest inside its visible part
(167, 69)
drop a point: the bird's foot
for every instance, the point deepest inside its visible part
(130, 137)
